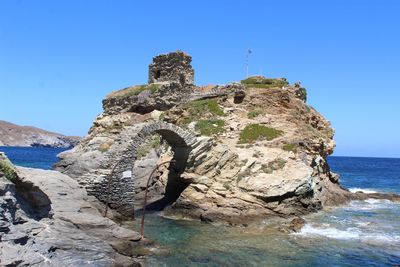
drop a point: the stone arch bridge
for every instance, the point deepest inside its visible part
(174, 135)
(122, 189)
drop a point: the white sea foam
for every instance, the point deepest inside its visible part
(378, 238)
(378, 201)
(364, 190)
(370, 204)
(348, 234)
(330, 232)
(363, 224)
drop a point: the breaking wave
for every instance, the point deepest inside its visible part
(371, 204)
(348, 234)
(364, 190)
(330, 232)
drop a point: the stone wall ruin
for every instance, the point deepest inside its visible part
(122, 195)
(172, 67)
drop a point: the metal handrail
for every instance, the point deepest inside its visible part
(109, 184)
(145, 194)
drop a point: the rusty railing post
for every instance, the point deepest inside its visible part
(145, 194)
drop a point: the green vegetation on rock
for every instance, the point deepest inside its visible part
(199, 108)
(162, 116)
(262, 82)
(153, 143)
(226, 185)
(290, 147)
(243, 174)
(210, 127)
(304, 92)
(258, 154)
(134, 90)
(7, 168)
(274, 165)
(115, 128)
(253, 132)
(254, 113)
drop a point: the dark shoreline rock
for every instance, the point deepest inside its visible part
(47, 219)
(385, 196)
(296, 224)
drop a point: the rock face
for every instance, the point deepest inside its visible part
(15, 135)
(146, 98)
(259, 150)
(46, 219)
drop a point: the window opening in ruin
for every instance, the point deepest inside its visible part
(157, 74)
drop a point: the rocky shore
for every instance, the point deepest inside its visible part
(46, 219)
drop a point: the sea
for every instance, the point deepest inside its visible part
(361, 233)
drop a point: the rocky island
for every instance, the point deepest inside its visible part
(241, 151)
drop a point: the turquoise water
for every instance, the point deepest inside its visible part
(363, 233)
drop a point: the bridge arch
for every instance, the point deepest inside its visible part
(120, 191)
(175, 136)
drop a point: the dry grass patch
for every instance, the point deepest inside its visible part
(254, 113)
(290, 147)
(262, 82)
(274, 165)
(133, 90)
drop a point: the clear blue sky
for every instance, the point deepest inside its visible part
(58, 59)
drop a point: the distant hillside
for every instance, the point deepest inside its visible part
(15, 135)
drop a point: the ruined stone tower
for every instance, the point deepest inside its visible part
(172, 67)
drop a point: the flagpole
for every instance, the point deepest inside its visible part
(247, 62)
(247, 65)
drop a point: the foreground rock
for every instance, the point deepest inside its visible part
(257, 149)
(46, 219)
(26, 136)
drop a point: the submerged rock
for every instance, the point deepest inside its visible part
(296, 224)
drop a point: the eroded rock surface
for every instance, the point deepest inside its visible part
(46, 219)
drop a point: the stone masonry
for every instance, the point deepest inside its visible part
(172, 67)
(122, 190)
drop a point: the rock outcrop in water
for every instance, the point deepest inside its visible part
(27, 136)
(260, 150)
(46, 219)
